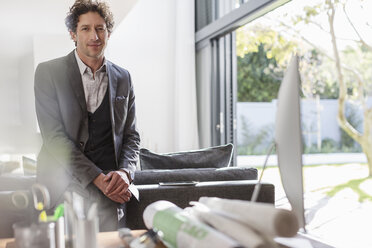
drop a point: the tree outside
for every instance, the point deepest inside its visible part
(334, 64)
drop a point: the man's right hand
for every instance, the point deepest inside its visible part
(102, 185)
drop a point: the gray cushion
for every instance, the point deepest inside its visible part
(213, 157)
(200, 175)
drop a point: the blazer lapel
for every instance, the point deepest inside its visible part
(76, 81)
(112, 85)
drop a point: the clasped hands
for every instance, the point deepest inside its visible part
(114, 185)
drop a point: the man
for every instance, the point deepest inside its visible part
(86, 113)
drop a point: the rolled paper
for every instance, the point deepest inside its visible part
(236, 230)
(263, 217)
(179, 229)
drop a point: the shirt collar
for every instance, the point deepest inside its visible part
(83, 67)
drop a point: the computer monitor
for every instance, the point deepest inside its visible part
(288, 139)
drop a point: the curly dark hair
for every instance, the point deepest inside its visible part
(81, 7)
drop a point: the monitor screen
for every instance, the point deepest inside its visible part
(288, 139)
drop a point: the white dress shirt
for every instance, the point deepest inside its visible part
(95, 85)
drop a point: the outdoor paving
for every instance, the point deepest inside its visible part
(341, 221)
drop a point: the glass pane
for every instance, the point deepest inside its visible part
(336, 169)
(238, 3)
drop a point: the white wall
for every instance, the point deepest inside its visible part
(145, 44)
(18, 118)
(18, 125)
(51, 46)
(9, 91)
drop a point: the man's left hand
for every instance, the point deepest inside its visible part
(118, 185)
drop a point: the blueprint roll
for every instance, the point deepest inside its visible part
(244, 234)
(181, 230)
(263, 217)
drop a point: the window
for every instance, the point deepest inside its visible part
(249, 55)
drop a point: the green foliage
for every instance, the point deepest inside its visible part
(317, 76)
(309, 12)
(328, 146)
(358, 57)
(264, 48)
(331, 146)
(259, 75)
(250, 37)
(263, 54)
(353, 53)
(258, 80)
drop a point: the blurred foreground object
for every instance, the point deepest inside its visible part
(180, 229)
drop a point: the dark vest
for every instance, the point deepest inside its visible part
(100, 147)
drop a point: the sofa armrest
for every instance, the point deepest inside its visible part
(10, 186)
(182, 195)
(11, 214)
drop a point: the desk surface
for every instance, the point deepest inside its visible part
(104, 239)
(112, 240)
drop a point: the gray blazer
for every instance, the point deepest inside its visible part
(63, 120)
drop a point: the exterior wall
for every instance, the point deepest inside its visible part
(258, 115)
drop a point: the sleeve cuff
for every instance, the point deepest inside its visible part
(129, 173)
(90, 176)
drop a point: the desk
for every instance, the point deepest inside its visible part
(104, 240)
(112, 240)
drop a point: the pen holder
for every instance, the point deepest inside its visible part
(59, 232)
(85, 233)
(39, 235)
(69, 225)
(81, 222)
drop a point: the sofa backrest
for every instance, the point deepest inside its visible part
(211, 157)
(199, 175)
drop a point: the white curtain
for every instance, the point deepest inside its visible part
(186, 129)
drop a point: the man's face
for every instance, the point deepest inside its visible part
(91, 36)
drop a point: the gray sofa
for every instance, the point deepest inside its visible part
(230, 182)
(9, 213)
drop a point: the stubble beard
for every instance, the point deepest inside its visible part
(97, 54)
